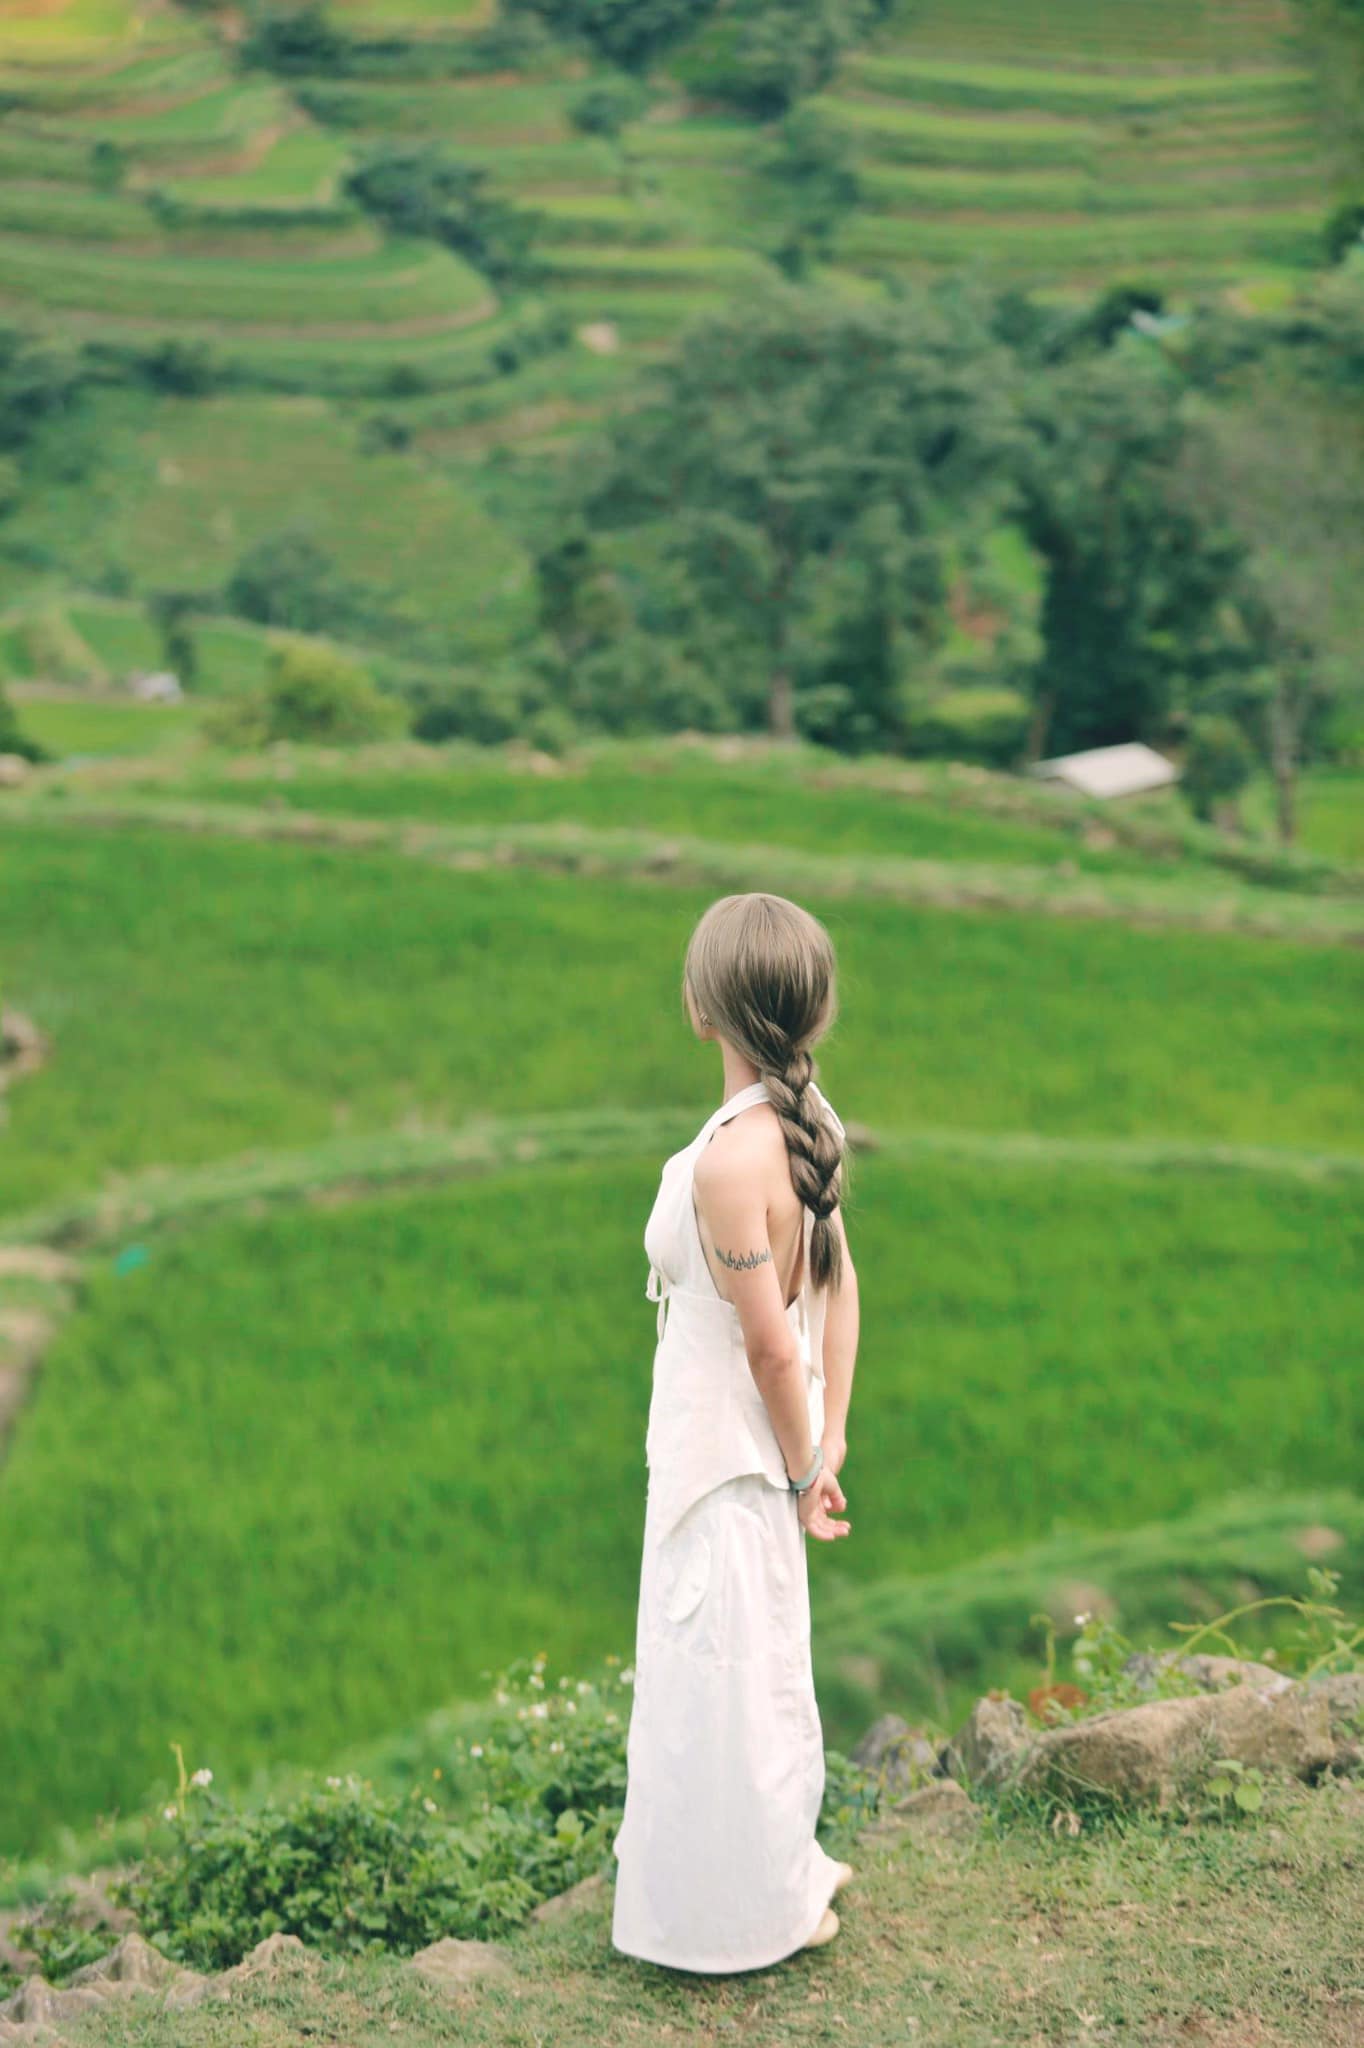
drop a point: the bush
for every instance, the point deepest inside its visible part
(286, 579)
(311, 692)
(1218, 762)
(499, 1824)
(986, 725)
(607, 106)
(483, 708)
(12, 739)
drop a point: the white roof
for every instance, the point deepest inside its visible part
(1110, 771)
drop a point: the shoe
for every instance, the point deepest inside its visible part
(846, 1874)
(826, 1930)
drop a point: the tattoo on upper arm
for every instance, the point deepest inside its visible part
(741, 1261)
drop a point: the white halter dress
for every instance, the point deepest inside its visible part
(717, 1866)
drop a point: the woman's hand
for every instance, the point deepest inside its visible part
(814, 1504)
(835, 1451)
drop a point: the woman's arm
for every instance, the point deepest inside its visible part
(732, 1186)
(842, 1327)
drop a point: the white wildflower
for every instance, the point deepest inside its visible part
(610, 1717)
(430, 1805)
(1081, 1619)
(540, 1709)
(535, 1679)
(556, 1749)
(203, 1776)
(570, 1706)
(584, 1685)
(169, 1812)
(627, 1677)
(475, 1749)
(334, 1783)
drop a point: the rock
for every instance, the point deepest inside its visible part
(453, 1965)
(132, 1966)
(903, 1755)
(1143, 1755)
(14, 769)
(986, 1749)
(1210, 1673)
(277, 1955)
(1343, 1692)
(585, 1893)
(942, 1808)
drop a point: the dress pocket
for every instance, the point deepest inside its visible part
(688, 1574)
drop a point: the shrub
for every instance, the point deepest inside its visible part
(12, 739)
(1218, 762)
(311, 692)
(607, 106)
(287, 579)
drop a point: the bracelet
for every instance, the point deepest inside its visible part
(804, 1485)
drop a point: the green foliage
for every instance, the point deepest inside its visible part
(13, 738)
(288, 579)
(607, 105)
(421, 188)
(768, 54)
(1323, 1638)
(293, 40)
(59, 1938)
(311, 692)
(1138, 584)
(1344, 230)
(811, 186)
(1218, 762)
(171, 612)
(797, 462)
(983, 724)
(108, 164)
(632, 33)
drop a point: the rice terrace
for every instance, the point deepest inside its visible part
(481, 480)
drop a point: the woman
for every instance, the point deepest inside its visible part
(718, 1868)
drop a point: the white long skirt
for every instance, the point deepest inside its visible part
(717, 1866)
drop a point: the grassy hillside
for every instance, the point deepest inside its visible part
(160, 194)
(1106, 1200)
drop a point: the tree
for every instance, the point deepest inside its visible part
(812, 184)
(287, 579)
(172, 613)
(757, 456)
(1281, 466)
(1137, 579)
(419, 188)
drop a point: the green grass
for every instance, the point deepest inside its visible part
(1105, 1345)
(398, 968)
(302, 168)
(673, 793)
(1017, 1935)
(1330, 811)
(88, 726)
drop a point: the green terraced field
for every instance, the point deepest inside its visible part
(365, 1398)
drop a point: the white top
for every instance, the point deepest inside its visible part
(707, 1420)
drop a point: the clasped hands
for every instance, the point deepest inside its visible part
(814, 1505)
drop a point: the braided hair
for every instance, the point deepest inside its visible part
(762, 971)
